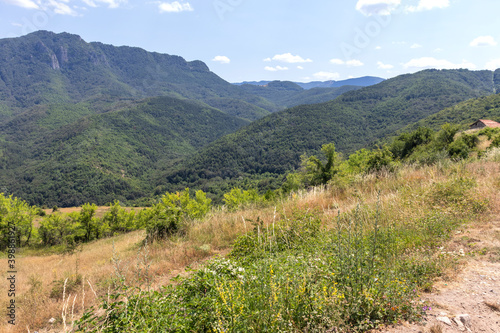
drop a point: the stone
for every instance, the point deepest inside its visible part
(465, 319)
(445, 320)
(52, 320)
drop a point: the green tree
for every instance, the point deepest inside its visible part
(16, 217)
(319, 172)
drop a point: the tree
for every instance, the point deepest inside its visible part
(318, 172)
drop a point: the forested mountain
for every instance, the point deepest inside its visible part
(44, 67)
(364, 81)
(274, 144)
(104, 157)
(464, 114)
(288, 94)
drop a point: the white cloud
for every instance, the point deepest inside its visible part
(268, 59)
(289, 58)
(428, 5)
(23, 3)
(493, 64)
(300, 67)
(175, 7)
(415, 46)
(326, 76)
(337, 61)
(354, 63)
(377, 7)
(110, 3)
(275, 69)
(430, 62)
(483, 41)
(61, 8)
(350, 63)
(381, 65)
(222, 59)
(378, 47)
(438, 50)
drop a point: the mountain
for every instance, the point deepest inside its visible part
(288, 94)
(464, 114)
(107, 156)
(353, 120)
(44, 67)
(364, 81)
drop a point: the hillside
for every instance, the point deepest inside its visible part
(289, 94)
(464, 114)
(360, 81)
(355, 119)
(44, 67)
(103, 157)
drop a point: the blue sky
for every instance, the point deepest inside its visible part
(243, 40)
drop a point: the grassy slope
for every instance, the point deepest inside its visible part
(217, 232)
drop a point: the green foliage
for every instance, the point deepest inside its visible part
(238, 198)
(406, 143)
(318, 172)
(118, 220)
(380, 159)
(168, 216)
(16, 221)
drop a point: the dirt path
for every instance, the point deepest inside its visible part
(469, 300)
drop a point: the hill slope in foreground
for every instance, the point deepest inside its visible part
(284, 259)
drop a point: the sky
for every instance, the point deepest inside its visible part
(295, 40)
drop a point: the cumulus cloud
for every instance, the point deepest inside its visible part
(61, 8)
(377, 7)
(351, 63)
(275, 69)
(175, 7)
(288, 58)
(326, 76)
(23, 3)
(493, 64)
(381, 65)
(483, 41)
(428, 5)
(378, 47)
(430, 62)
(221, 59)
(354, 63)
(110, 3)
(415, 46)
(300, 67)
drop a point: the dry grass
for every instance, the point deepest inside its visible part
(493, 306)
(212, 236)
(436, 328)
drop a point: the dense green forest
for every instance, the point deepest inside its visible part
(273, 145)
(288, 94)
(92, 122)
(44, 67)
(108, 156)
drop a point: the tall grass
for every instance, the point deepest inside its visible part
(305, 266)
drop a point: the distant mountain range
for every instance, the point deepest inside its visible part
(364, 81)
(88, 122)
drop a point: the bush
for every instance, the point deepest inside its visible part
(167, 217)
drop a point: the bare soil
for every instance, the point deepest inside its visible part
(473, 289)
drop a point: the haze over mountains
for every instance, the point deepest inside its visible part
(88, 122)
